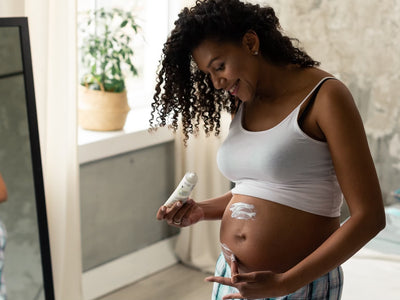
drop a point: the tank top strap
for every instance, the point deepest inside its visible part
(312, 95)
(315, 89)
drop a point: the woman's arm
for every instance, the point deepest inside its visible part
(214, 208)
(3, 190)
(191, 212)
(339, 120)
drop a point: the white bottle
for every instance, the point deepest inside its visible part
(183, 190)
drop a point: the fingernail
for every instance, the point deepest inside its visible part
(179, 204)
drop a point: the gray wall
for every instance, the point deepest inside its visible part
(358, 41)
(120, 196)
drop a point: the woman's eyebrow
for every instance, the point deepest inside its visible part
(211, 61)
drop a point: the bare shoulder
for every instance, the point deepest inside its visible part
(335, 90)
(332, 93)
(336, 106)
(340, 121)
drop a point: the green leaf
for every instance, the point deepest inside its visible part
(123, 24)
(105, 44)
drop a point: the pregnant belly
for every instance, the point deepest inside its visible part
(263, 235)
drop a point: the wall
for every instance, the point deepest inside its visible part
(357, 41)
(120, 196)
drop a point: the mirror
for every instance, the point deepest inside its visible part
(27, 265)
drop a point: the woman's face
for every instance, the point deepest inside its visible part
(231, 67)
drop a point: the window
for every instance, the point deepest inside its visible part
(152, 16)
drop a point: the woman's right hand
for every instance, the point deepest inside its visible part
(181, 215)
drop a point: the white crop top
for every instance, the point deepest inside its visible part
(282, 165)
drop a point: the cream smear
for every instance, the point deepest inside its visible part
(228, 252)
(243, 211)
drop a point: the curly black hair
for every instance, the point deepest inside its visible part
(183, 90)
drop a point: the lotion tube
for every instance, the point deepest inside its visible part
(183, 190)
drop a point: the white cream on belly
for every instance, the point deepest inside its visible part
(228, 252)
(243, 211)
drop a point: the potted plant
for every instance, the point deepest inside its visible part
(106, 59)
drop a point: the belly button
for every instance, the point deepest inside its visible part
(240, 237)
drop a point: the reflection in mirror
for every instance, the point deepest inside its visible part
(25, 259)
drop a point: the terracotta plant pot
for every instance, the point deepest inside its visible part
(102, 111)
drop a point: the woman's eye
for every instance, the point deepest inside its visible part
(221, 67)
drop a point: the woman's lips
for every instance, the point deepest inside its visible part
(233, 90)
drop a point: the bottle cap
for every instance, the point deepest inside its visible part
(191, 177)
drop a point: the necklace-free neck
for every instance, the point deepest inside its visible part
(278, 81)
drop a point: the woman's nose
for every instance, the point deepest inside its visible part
(218, 82)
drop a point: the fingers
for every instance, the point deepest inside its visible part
(165, 212)
(172, 215)
(234, 266)
(238, 278)
(161, 212)
(183, 212)
(225, 281)
(176, 214)
(244, 277)
(221, 280)
(232, 296)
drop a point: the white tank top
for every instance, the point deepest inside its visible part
(281, 164)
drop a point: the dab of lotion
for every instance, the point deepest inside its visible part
(243, 211)
(228, 252)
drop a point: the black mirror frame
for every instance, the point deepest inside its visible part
(22, 23)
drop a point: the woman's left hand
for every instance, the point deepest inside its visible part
(254, 285)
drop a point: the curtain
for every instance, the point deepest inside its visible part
(53, 39)
(198, 245)
(53, 34)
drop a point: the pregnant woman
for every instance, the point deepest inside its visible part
(296, 146)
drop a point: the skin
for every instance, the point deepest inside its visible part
(3, 190)
(286, 256)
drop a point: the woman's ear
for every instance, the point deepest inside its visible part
(251, 42)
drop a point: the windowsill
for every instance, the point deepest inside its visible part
(95, 145)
